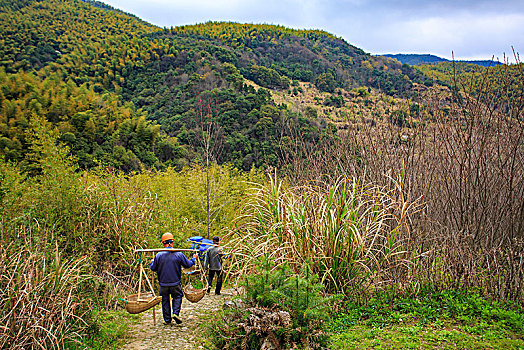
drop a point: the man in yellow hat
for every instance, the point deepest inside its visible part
(168, 266)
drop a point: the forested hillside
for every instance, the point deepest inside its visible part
(418, 59)
(503, 84)
(34, 33)
(159, 75)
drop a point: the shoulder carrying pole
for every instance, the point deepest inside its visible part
(165, 250)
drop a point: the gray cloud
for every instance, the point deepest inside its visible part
(471, 29)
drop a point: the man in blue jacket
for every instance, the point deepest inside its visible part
(168, 266)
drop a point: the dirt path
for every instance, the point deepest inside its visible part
(186, 336)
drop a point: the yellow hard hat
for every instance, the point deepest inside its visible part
(167, 236)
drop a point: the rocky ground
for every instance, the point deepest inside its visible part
(186, 336)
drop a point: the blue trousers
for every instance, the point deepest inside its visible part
(176, 294)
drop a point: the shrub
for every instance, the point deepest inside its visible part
(283, 308)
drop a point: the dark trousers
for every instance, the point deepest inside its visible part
(212, 274)
(171, 292)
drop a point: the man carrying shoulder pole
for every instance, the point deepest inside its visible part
(213, 263)
(168, 266)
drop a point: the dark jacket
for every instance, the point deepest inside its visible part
(168, 267)
(213, 258)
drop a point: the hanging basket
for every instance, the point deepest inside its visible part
(137, 303)
(194, 295)
(191, 293)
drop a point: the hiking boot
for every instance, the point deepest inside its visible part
(177, 319)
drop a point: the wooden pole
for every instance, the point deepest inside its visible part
(214, 245)
(154, 307)
(166, 250)
(140, 281)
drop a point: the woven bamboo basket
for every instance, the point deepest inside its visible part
(194, 295)
(137, 303)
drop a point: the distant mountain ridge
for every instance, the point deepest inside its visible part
(417, 59)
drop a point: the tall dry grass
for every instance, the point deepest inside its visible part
(349, 233)
(41, 298)
(463, 155)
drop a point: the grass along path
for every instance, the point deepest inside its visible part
(431, 320)
(186, 336)
(413, 336)
(428, 320)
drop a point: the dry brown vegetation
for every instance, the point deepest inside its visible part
(42, 304)
(359, 104)
(460, 154)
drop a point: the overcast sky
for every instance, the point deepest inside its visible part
(472, 29)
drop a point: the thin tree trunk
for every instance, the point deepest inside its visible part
(207, 191)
